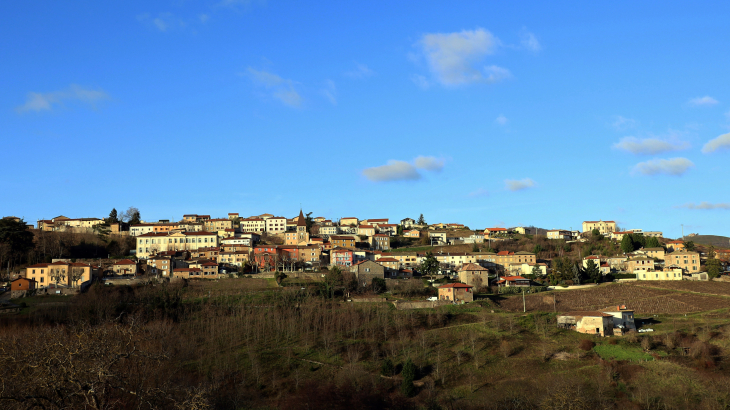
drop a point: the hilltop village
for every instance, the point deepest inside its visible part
(464, 260)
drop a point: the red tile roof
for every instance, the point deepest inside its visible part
(455, 285)
(125, 262)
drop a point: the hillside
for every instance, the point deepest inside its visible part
(715, 240)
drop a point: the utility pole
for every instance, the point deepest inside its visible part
(524, 306)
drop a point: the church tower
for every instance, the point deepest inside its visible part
(302, 234)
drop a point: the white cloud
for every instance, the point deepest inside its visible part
(396, 170)
(452, 57)
(163, 22)
(672, 166)
(479, 192)
(429, 163)
(623, 123)
(720, 143)
(420, 81)
(281, 88)
(496, 74)
(46, 101)
(529, 41)
(330, 91)
(519, 184)
(393, 171)
(360, 71)
(703, 101)
(706, 205)
(501, 120)
(649, 146)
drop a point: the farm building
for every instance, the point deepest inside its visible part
(589, 322)
(456, 292)
(622, 316)
(510, 281)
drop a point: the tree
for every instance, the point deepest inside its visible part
(76, 273)
(430, 265)
(309, 221)
(400, 230)
(378, 285)
(690, 246)
(627, 244)
(596, 233)
(653, 243)
(58, 275)
(537, 249)
(713, 264)
(421, 221)
(16, 241)
(332, 279)
(113, 217)
(131, 216)
(536, 271)
(409, 374)
(593, 271)
(638, 239)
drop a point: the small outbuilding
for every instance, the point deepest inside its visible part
(22, 284)
(588, 322)
(456, 292)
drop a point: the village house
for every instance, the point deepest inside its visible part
(474, 275)
(125, 267)
(218, 225)
(512, 281)
(348, 221)
(657, 253)
(588, 322)
(492, 232)
(22, 283)
(391, 265)
(622, 317)
(160, 266)
(407, 223)
(379, 242)
(518, 269)
(67, 274)
(252, 224)
(675, 246)
(236, 258)
(375, 222)
(456, 292)
(636, 264)
(559, 234)
(366, 230)
(141, 229)
(342, 257)
(233, 215)
(668, 273)
(603, 227)
(151, 244)
(412, 233)
(276, 225)
(366, 271)
(688, 261)
(342, 241)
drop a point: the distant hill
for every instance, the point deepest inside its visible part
(715, 240)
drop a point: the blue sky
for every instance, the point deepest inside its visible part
(483, 113)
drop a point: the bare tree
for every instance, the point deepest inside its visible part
(58, 275)
(76, 273)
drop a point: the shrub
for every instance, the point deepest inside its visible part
(506, 348)
(646, 343)
(586, 344)
(387, 369)
(409, 374)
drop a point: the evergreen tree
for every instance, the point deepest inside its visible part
(409, 374)
(638, 239)
(627, 244)
(421, 221)
(713, 264)
(113, 217)
(593, 271)
(430, 265)
(309, 221)
(387, 369)
(690, 246)
(653, 243)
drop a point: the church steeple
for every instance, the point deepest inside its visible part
(301, 221)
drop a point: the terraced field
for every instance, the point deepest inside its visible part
(643, 298)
